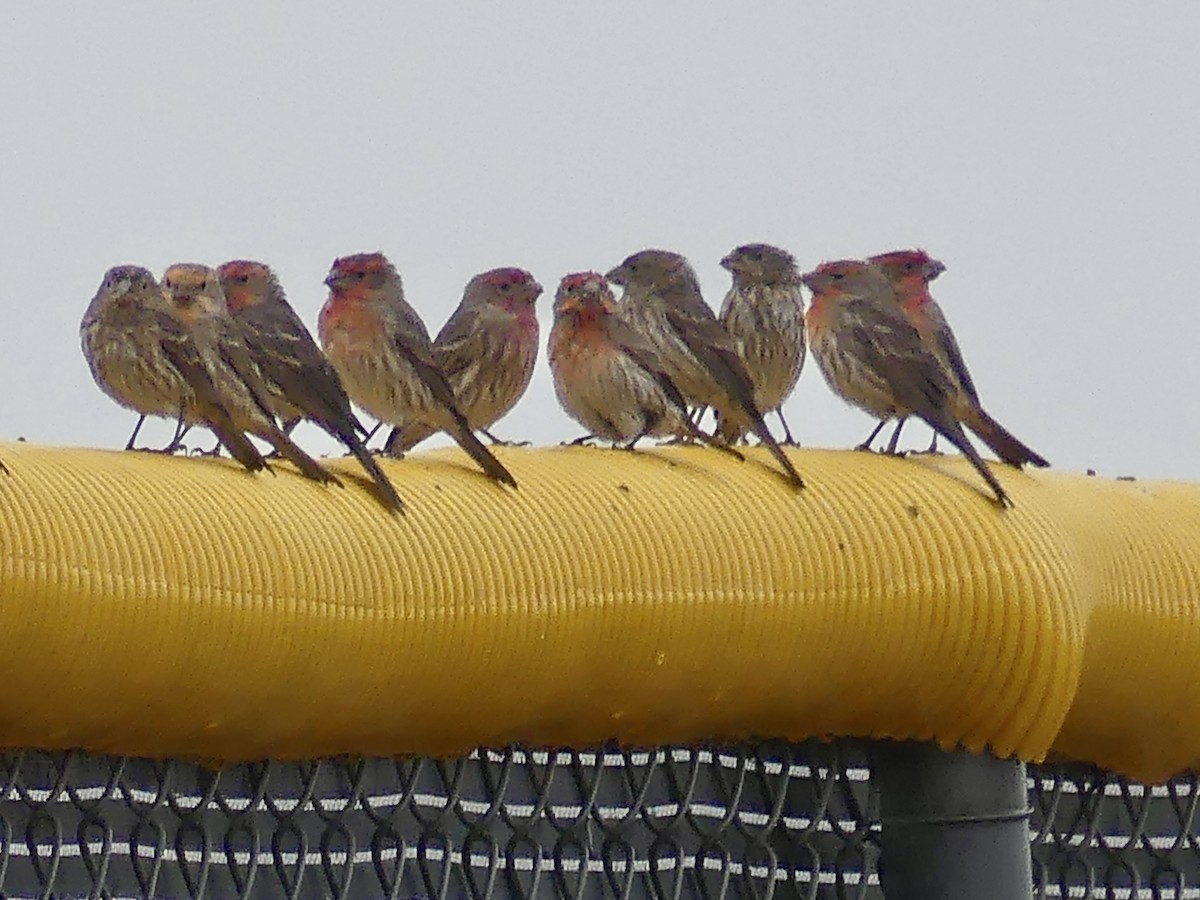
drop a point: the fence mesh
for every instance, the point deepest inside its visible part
(765, 820)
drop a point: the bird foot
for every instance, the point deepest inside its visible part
(579, 441)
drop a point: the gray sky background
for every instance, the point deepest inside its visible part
(1048, 153)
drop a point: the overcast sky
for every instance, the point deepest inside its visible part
(1049, 154)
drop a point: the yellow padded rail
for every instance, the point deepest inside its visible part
(169, 606)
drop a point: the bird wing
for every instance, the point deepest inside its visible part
(891, 350)
(707, 340)
(944, 336)
(638, 349)
(288, 356)
(459, 345)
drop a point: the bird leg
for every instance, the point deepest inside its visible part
(788, 440)
(133, 437)
(866, 445)
(496, 442)
(891, 447)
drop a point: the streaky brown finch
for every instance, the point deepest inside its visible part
(299, 382)
(663, 302)
(910, 272)
(382, 351)
(873, 357)
(197, 303)
(486, 350)
(141, 356)
(764, 314)
(607, 376)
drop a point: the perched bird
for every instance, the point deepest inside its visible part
(764, 314)
(608, 376)
(140, 356)
(910, 272)
(298, 381)
(486, 350)
(381, 349)
(124, 354)
(197, 303)
(874, 358)
(663, 301)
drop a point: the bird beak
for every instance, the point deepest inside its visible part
(934, 268)
(535, 289)
(616, 275)
(331, 280)
(814, 281)
(727, 262)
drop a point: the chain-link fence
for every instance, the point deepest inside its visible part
(755, 821)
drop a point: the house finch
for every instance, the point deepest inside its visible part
(873, 357)
(124, 356)
(486, 350)
(764, 314)
(663, 301)
(380, 347)
(607, 376)
(197, 303)
(910, 272)
(299, 382)
(140, 356)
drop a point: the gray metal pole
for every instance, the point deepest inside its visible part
(955, 825)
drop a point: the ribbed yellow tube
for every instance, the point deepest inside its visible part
(170, 606)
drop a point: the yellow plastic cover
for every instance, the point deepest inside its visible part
(182, 607)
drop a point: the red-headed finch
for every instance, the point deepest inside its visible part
(764, 314)
(663, 302)
(197, 303)
(910, 272)
(486, 350)
(142, 358)
(299, 382)
(872, 356)
(381, 349)
(607, 376)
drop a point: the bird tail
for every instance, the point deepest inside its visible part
(1000, 439)
(742, 394)
(949, 428)
(239, 447)
(404, 437)
(234, 439)
(718, 442)
(288, 449)
(474, 448)
(387, 490)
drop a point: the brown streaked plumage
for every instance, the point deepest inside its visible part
(663, 302)
(872, 356)
(486, 350)
(196, 302)
(764, 314)
(382, 351)
(298, 380)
